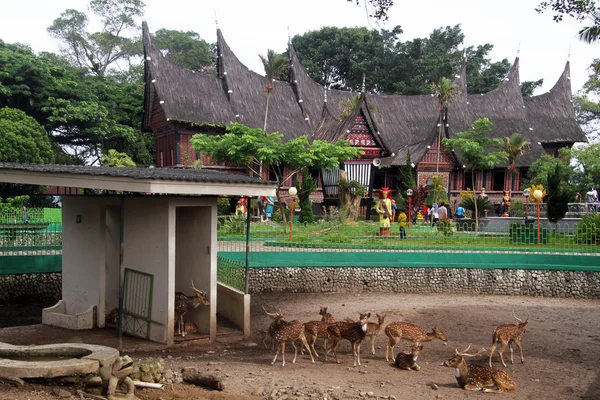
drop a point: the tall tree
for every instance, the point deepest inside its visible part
(587, 106)
(558, 195)
(515, 146)
(274, 64)
(98, 51)
(22, 139)
(582, 10)
(187, 49)
(444, 91)
(478, 150)
(538, 171)
(377, 9)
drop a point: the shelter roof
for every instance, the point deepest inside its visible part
(143, 180)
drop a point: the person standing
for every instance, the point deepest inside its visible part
(384, 209)
(394, 209)
(442, 211)
(402, 222)
(590, 198)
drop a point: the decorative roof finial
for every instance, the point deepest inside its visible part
(518, 48)
(325, 96)
(289, 36)
(216, 19)
(569, 55)
(364, 79)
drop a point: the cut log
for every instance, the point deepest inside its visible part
(193, 376)
(148, 385)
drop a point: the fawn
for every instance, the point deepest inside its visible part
(408, 361)
(282, 332)
(318, 329)
(184, 303)
(479, 377)
(411, 332)
(354, 332)
(506, 335)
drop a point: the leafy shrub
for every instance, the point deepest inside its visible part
(588, 229)
(223, 205)
(482, 205)
(233, 224)
(445, 226)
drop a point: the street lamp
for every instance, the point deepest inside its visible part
(409, 193)
(292, 191)
(526, 193)
(538, 195)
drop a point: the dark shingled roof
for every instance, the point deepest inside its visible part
(403, 123)
(190, 175)
(182, 90)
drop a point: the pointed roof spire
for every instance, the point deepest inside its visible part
(364, 80)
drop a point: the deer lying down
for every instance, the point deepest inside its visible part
(282, 332)
(506, 335)
(479, 377)
(408, 361)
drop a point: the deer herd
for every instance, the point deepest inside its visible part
(468, 376)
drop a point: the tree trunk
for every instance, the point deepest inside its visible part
(193, 376)
(475, 202)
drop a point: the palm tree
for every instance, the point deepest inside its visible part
(274, 65)
(444, 90)
(515, 146)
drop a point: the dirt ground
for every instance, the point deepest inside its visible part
(561, 347)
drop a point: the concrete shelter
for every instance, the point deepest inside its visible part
(166, 239)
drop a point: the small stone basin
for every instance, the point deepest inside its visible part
(54, 360)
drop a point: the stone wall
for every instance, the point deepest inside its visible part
(30, 288)
(577, 284)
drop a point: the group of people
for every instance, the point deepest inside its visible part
(266, 206)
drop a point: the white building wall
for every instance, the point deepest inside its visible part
(145, 249)
(83, 261)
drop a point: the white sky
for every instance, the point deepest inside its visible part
(252, 26)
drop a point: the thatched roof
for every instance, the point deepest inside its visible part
(402, 124)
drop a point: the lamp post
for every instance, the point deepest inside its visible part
(538, 194)
(292, 191)
(409, 193)
(526, 193)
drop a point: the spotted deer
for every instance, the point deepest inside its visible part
(318, 329)
(282, 332)
(184, 303)
(408, 361)
(479, 377)
(354, 332)
(373, 329)
(506, 335)
(325, 316)
(411, 332)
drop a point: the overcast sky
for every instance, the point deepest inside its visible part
(252, 26)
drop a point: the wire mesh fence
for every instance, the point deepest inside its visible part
(30, 231)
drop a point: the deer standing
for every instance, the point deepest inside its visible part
(282, 332)
(411, 332)
(184, 303)
(318, 329)
(479, 377)
(506, 335)
(373, 329)
(408, 361)
(354, 332)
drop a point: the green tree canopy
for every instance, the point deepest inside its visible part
(253, 147)
(582, 10)
(22, 139)
(98, 51)
(477, 150)
(187, 49)
(540, 168)
(340, 57)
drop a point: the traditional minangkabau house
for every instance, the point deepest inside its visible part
(391, 129)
